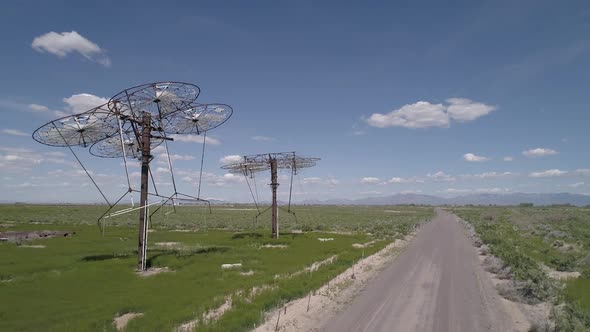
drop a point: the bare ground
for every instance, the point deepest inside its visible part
(152, 271)
(436, 284)
(122, 321)
(306, 314)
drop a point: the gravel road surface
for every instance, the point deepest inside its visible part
(436, 284)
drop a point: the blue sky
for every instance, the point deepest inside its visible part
(393, 96)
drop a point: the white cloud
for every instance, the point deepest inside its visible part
(38, 108)
(548, 173)
(18, 159)
(576, 185)
(10, 149)
(195, 139)
(400, 180)
(424, 114)
(175, 157)
(162, 170)
(14, 132)
(61, 44)
(314, 180)
(317, 180)
(77, 103)
(474, 158)
(419, 115)
(370, 180)
(263, 138)
(24, 185)
(69, 173)
(477, 190)
(22, 160)
(539, 152)
(55, 154)
(508, 158)
(83, 102)
(231, 159)
(462, 110)
(332, 181)
(61, 114)
(457, 191)
(441, 176)
(224, 180)
(487, 175)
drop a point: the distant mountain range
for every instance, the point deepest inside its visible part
(405, 199)
(475, 199)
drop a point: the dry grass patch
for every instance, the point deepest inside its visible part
(122, 321)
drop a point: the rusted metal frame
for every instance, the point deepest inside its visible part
(145, 171)
(274, 185)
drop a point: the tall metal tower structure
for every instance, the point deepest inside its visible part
(131, 124)
(274, 161)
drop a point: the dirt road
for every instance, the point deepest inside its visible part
(436, 284)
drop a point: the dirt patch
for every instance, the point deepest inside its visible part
(38, 246)
(17, 237)
(337, 232)
(309, 269)
(7, 224)
(153, 271)
(213, 315)
(560, 275)
(122, 321)
(315, 266)
(398, 211)
(276, 246)
(209, 316)
(168, 244)
(363, 245)
(325, 239)
(257, 290)
(311, 312)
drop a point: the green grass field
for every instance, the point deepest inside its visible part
(557, 236)
(81, 283)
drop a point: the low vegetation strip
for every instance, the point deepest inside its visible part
(537, 247)
(311, 312)
(82, 282)
(367, 219)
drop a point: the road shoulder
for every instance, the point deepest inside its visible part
(316, 309)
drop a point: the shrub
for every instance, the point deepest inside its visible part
(562, 263)
(570, 317)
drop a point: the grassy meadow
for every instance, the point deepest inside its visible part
(526, 238)
(80, 283)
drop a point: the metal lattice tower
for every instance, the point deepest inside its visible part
(277, 160)
(131, 124)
